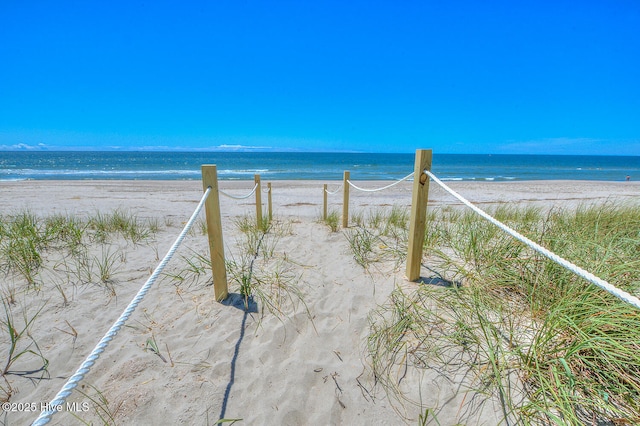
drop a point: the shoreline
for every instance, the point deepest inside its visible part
(303, 198)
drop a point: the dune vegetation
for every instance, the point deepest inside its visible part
(552, 347)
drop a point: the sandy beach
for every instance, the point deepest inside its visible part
(216, 360)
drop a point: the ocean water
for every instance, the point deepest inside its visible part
(28, 165)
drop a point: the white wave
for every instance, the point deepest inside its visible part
(242, 172)
(35, 173)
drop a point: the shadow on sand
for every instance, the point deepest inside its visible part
(249, 307)
(438, 281)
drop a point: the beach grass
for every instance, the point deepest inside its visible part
(20, 345)
(332, 220)
(123, 223)
(106, 411)
(56, 251)
(261, 273)
(26, 239)
(551, 346)
(381, 235)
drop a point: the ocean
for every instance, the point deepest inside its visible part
(79, 165)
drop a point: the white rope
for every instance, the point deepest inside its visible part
(380, 189)
(621, 294)
(242, 197)
(334, 192)
(266, 189)
(72, 383)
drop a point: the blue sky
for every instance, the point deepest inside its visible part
(553, 77)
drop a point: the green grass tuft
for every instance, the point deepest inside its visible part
(551, 346)
(333, 220)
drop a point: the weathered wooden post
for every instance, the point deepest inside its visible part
(269, 201)
(418, 218)
(345, 200)
(214, 232)
(256, 179)
(324, 205)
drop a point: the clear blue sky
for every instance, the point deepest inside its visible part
(556, 77)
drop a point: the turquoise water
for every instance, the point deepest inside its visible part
(23, 165)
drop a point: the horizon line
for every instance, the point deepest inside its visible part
(283, 151)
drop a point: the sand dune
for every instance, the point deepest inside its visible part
(217, 360)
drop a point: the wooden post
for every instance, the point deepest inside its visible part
(256, 179)
(418, 218)
(269, 201)
(324, 208)
(214, 231)
(345, 200)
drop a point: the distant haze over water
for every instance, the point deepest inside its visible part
(79, 165)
